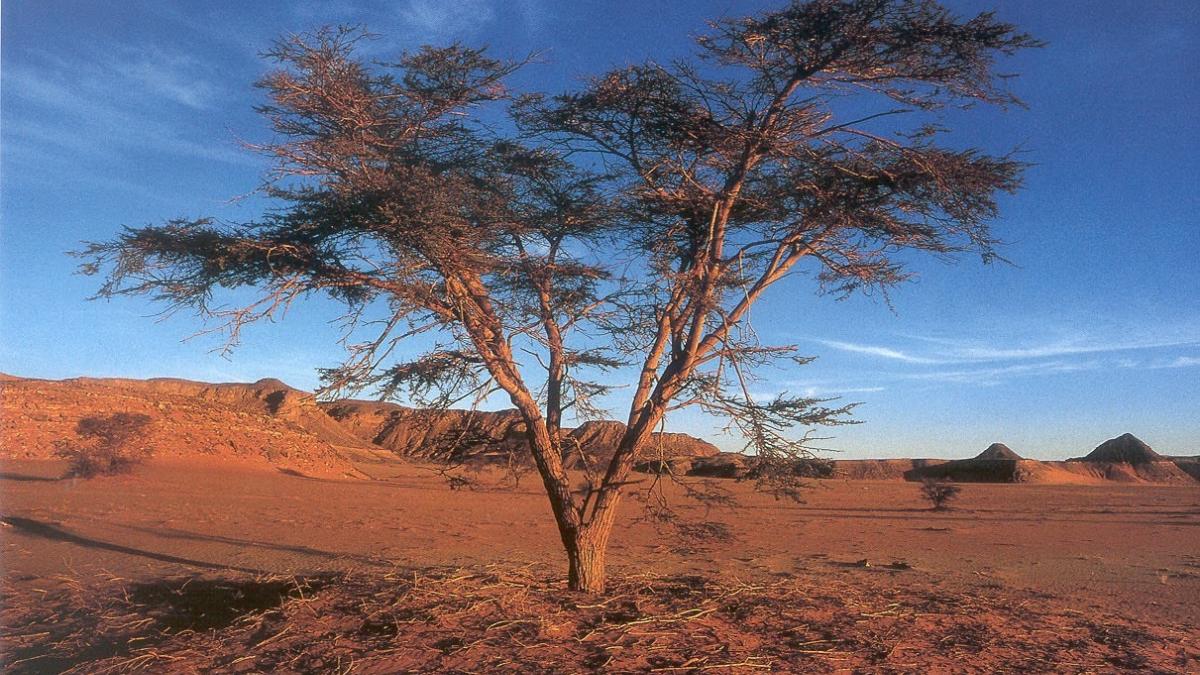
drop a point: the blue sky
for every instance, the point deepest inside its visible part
(131, 113)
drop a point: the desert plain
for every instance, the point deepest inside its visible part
(250, 541)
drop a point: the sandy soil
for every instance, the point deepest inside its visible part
(1125, 551)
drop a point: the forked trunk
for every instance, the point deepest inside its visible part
(586, 560)
(587, 546)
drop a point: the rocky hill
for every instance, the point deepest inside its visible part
(268, 422)
(1189, 465)
(431, 434)
(597, 440)
(462, 435)
(264, 422)
(1124, 459)
(1127, 459)
(998, 451)
(1124, 449)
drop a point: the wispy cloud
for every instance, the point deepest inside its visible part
(1179, 362)
(978, 352)
(997, 375)
(813, 389)
(121, 103)
(122, 73)
(881, 352)
(836, 392)
(442, 20)
(951, 352)
(170, 78)
(935, 359)
(107, 131)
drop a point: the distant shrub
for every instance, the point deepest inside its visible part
(940, 492)
(106, 448)
(813, 467)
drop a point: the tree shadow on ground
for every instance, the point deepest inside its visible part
(173, 533)
(25, 477)
(37, 528)
(205, 604)
(81, 625)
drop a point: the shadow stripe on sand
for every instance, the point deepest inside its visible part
(37, 528)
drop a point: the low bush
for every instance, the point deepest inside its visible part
(104, 446)
(940, 492)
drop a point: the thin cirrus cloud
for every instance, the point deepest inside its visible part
(881, 352)
(1178, 362)
(132, 76)
(61, 106)
(997, 375)
(961, 362)
(953, 352)
(830, 391)
(990, 353)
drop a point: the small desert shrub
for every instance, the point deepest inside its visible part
(106, 447)
(940, 492)
(813, 467)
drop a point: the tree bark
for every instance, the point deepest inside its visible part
(586, 553)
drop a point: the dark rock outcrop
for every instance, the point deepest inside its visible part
(723, 465)
(1189, 465)
(1125, 449)
(738, 465)
(997, 464)
(998, 451)
(1126, 458)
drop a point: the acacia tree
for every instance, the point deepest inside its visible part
(634, 221)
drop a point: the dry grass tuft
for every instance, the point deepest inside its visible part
(502, 618)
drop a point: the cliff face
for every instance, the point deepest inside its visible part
(597, 441)
(1188, 465)
(431, 434)
(467, 434)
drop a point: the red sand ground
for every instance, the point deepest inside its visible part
(1117, 567)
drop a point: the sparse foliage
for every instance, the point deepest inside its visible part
(940, 492)
(106, 445)
(631, 224)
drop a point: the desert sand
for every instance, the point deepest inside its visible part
(257, 559)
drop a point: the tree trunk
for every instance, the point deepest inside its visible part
(586, 554)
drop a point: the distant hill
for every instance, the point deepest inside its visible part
(998, 451)
(265, 421)
(482, 435)
(1125, 449)
(597, 441)
(1124, 459)
(270, 422)
(1189, 465)
(430, 434)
